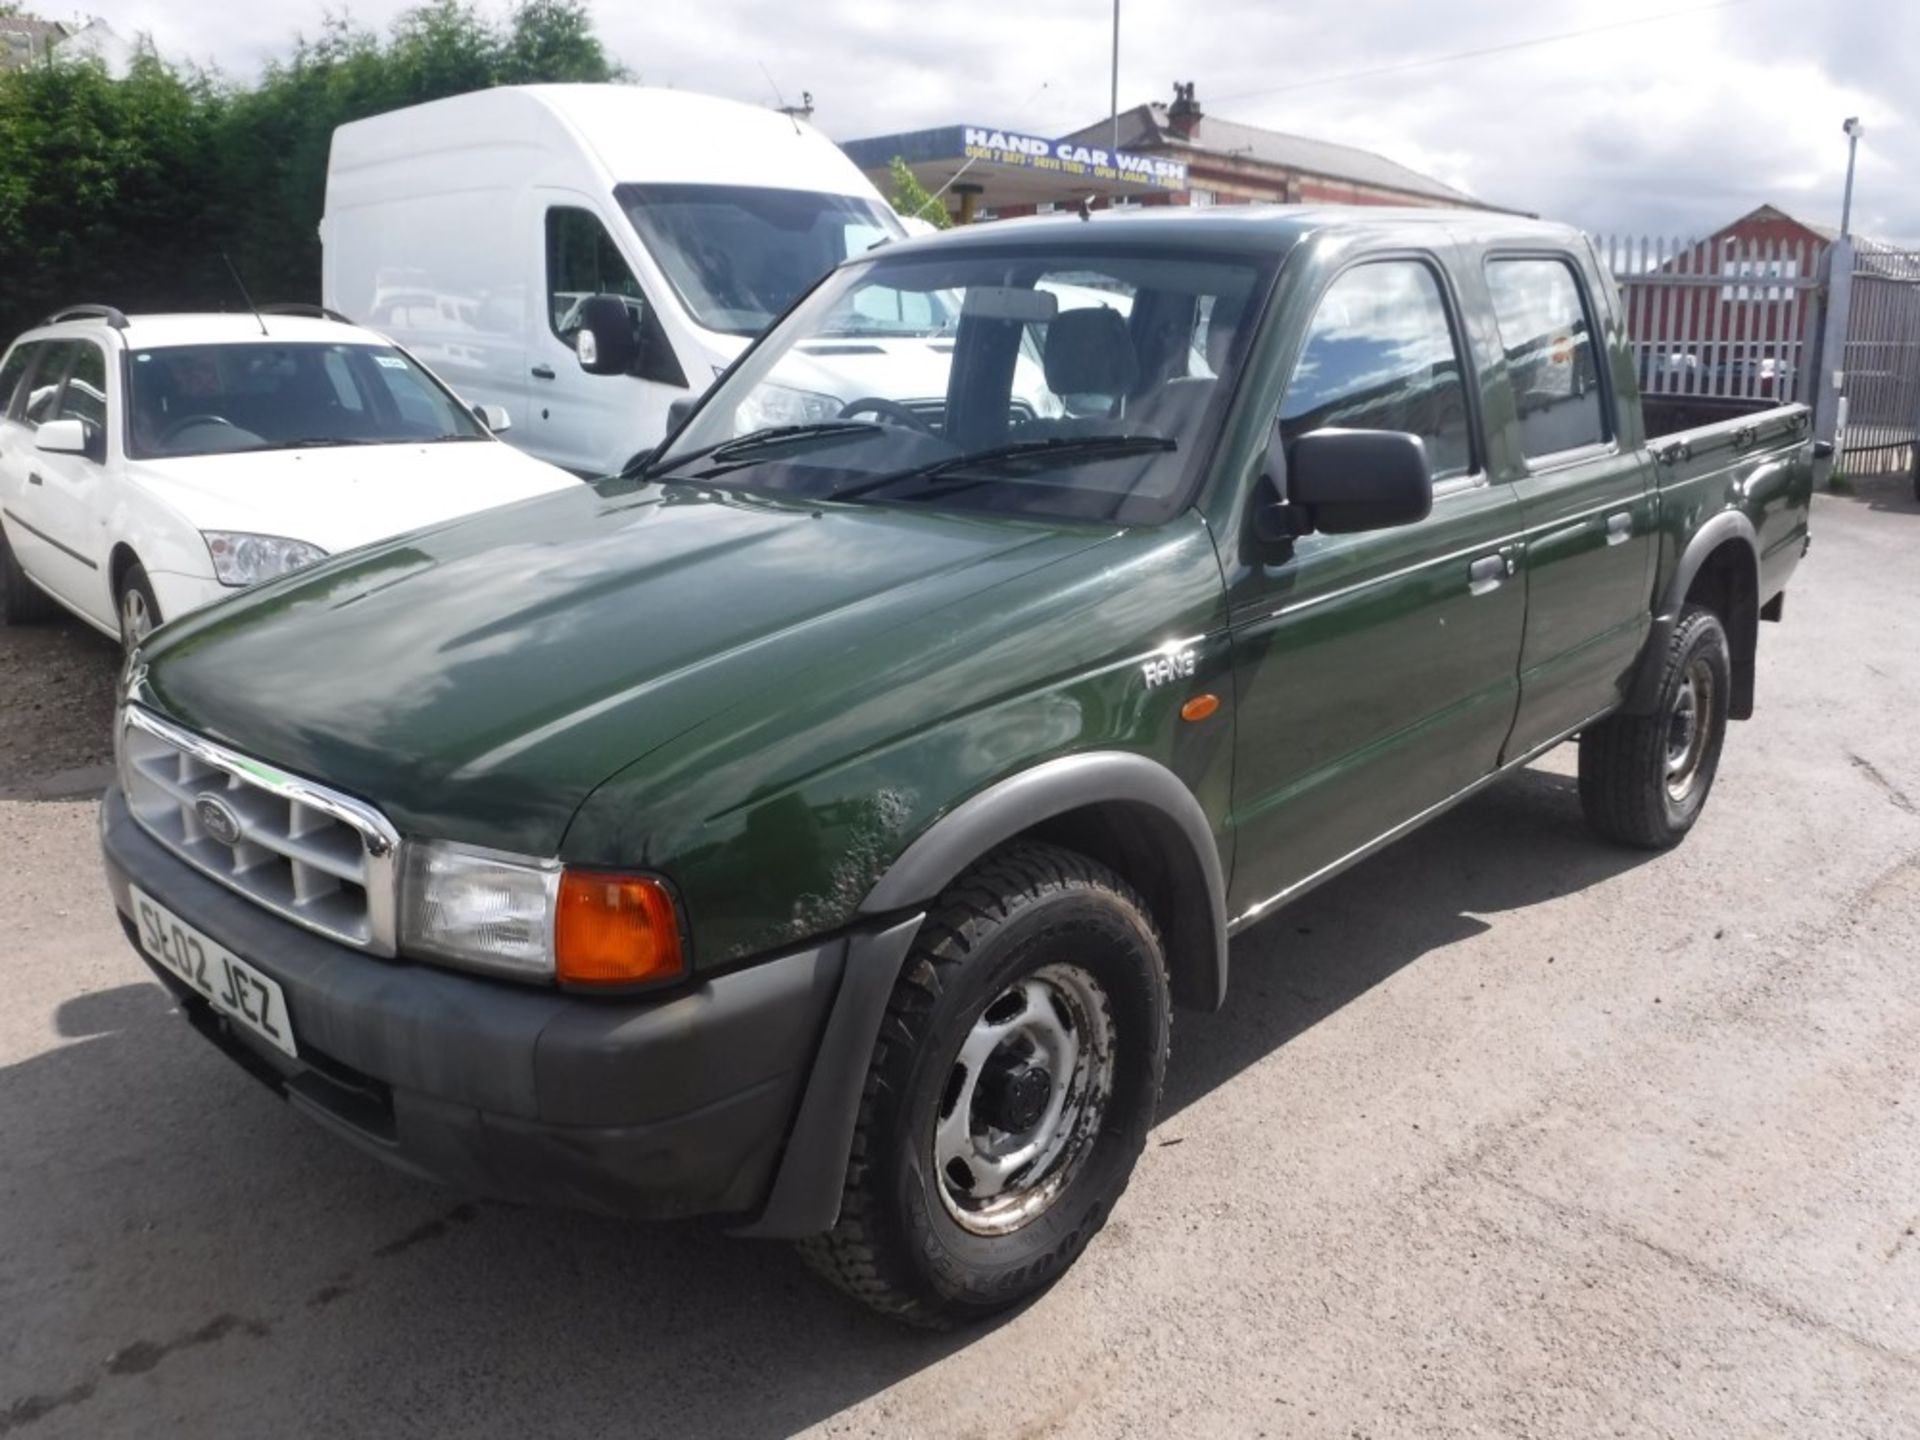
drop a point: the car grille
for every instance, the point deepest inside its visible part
(319, 858)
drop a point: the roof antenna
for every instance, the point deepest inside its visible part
(241, 285)
(781, 100)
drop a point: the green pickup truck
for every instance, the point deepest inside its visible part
(815, 825)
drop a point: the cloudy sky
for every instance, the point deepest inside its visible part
(1672, 126)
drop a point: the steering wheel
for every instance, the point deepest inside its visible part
(887, 410)
(187, 422)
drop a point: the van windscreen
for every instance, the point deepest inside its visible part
(739, 255)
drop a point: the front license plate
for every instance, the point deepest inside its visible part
(230, 984)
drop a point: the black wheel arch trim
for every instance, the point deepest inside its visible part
(1196, 892)
(1643, 690)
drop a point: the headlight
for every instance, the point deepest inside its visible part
(243, 559)
(481, 908)
(531, 919)
(770, 405)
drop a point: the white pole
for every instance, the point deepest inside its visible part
(1116, 81)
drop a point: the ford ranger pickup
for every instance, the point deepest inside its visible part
(814, 825)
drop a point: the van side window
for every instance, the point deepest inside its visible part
(583, 261)
(1380, 354)
(1548, 339)
(11, 372)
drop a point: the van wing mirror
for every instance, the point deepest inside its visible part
(608, 340)
(494, 417)
(1342, 481)
(63, 437)
(679, 410)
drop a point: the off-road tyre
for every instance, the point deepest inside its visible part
(24, 602)
(897, 1247)
(1629, 787)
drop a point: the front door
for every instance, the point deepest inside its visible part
(591, 424)
(1376, 673)
(1586, 499)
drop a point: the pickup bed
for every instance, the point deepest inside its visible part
(816, 824)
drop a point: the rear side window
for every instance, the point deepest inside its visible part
(1548, 339)
(1380, 355)
(12, 370)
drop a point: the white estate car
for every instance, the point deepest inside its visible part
(152, 464)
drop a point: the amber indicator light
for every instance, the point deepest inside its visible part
(614, 930)
(1200, 707)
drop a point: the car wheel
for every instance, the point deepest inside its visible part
(25, 602)
(1645, 778)
(1009, 1094)
(139, 611)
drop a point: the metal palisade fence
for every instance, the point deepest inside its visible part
(1833, 325)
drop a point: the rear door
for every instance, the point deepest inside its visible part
(1375, 672)
(1585, 496)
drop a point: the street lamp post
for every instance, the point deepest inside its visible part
(1115, 93)
(1853, 130)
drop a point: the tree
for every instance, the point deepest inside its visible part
(914, 200)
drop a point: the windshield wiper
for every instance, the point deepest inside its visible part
(770, 438)
(1061, 449)
(322, 442)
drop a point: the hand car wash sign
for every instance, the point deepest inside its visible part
(1070, 157)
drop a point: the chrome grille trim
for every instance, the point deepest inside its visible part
(325, 861)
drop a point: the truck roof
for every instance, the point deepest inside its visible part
(635, 134)
(1258, 227)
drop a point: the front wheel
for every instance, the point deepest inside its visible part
(1010, 1092)
(139, 611)
(1645, 778)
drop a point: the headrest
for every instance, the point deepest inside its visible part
(1221, 325)
(1090, 352)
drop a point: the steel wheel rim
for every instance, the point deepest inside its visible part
(136, 617)
(1056, 1023)
(1689, 728)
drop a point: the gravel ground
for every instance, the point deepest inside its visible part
(1504, 1133)
(56, 710)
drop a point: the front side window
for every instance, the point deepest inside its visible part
(1048, 381)
(263, 395)
(582, 262)
(739, 255)
(84, 398)
(1548, 341)
(1380, 354)
(12, 371)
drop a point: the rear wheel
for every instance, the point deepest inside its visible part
(25, 602)
(139, 611)
(1010, 1092)
(1645, 778)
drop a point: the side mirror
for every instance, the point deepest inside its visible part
(1342, 481)
(63, 437)
(494, 417)
(608, 341)
(679, 410)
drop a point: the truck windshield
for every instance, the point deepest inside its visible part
(1060, 382)
(266, 395)
(739, 255)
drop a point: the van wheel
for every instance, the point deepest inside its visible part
(1644, 778)
(1010, 1092)
(25, 602)
(139, 611)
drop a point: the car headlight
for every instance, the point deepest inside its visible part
(534, 920)
(243, 559)
(770, 405)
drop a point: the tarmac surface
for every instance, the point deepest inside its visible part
(1505, 1132)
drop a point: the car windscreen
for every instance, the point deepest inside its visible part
(1071, 381)
(739, 255)
(272, 395)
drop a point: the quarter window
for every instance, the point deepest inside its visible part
(1547, 336)
(1380, 354)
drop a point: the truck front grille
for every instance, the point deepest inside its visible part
(319, 858)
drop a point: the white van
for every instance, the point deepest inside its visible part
(474, 230)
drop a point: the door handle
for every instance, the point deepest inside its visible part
(543, 372)
(1619, 527)
(1487, 572)
(34, 479)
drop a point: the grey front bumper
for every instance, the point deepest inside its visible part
(676, 1105)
